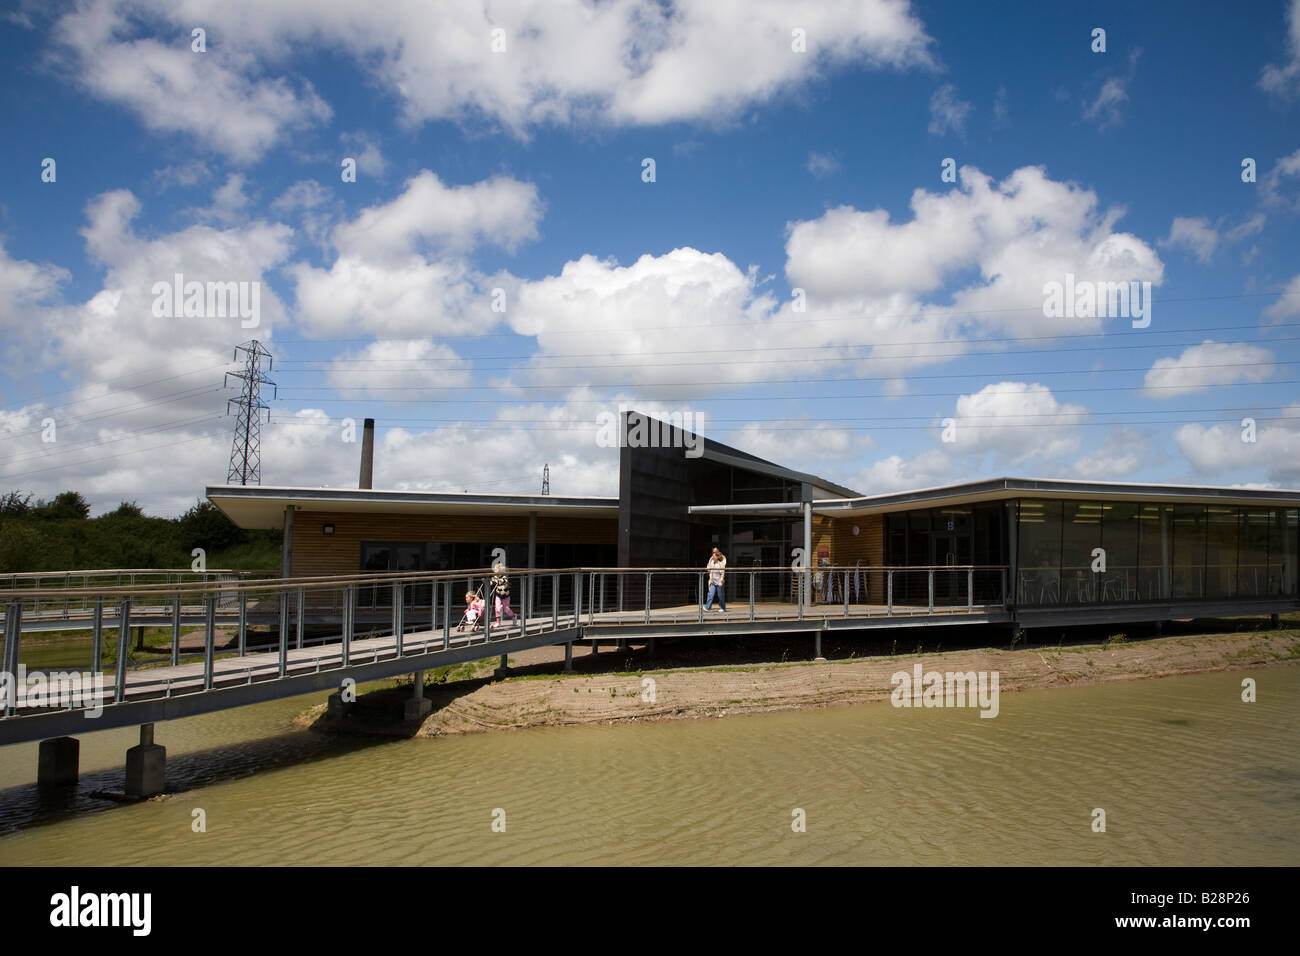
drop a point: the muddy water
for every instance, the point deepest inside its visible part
(1185, 772)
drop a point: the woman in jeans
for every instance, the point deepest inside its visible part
(717, 568)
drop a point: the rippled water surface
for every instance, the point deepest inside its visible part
(1186, 773)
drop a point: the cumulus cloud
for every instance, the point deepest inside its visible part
(1221, 448)
(401, 267)
(640, 63)
(1201, 366)
(1124, 451)
(395, 363)
(889, 285)
(221, 97)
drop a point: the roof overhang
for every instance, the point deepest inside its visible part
(264, 506)
(1000, 489)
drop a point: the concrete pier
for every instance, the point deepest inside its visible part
(568, 657)
(419, 706)
(146, 765)
(817, 645)
(336, 707)
(503, 670)
(56, 762)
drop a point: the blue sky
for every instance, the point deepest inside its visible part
(520, 170)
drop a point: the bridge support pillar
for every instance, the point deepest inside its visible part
(1276, 620)
(818, 646)
(336, 708)
(1160, 628)
(650, 647)
(419, 705)
(56, 762)
(503, 669)
(139, 638)
(146, 765)
(595, 648)
(568, 658)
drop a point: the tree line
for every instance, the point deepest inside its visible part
(60, 535)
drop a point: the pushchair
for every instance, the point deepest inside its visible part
(475, 610)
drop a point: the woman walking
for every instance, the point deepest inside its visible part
(500, 587)
(717, 568)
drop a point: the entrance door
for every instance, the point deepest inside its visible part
(952, 549)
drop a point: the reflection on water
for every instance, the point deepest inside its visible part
(1186, 772)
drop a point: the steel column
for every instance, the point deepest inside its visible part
(302, 602)
(123, 643)
(176, 631)
(555, 602)
(97, 637)
(243, 622)
(349, 605)
(889, 586)
(446, 615)
(930, 575)
(209, 639)
(970, 590)
(399, 624)
(649, 576)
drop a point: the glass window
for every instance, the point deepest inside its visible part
(1252, 552)
(1188, 568)
(1080, 537)
(1119, 538)
(1281, 551)
(1154, 522)
(1221, 551)
(1039, 551)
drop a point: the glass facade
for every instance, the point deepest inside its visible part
(1097, 552)
(1152, 552)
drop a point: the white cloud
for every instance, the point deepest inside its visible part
(401, 268)
(1124, 451)
(1219, 448)
(1288, 303)
(1210, 363)
(219, 97)
(370, 158)
(638, 63)
(1279, 182)
(1107, 108)
(1284, 79)
(1195, 235)
(822, 164)
(947, 113)
(891, 282)
(398, 363)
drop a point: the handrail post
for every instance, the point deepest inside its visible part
(846, 592)
(176, 631)
(489, 599)
(930, 575)
(97, 637)
(577, 599)
(751, 597)
(970, 590)
(700, 590)
(123, 638)
(446, 614)
(399, 622)
(302, 609)
(649, 576)
(13, 637)
(209, 633)
(243, 622)
(555, 602)
(525, 582)
(349, 607)
(1004, 589)
(591, 599)
(889, 588)
(799, 592)
(284, 622)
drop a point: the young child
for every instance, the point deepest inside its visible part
(473, 610)
(500, 589)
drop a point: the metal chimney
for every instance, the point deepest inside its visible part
(367, 455)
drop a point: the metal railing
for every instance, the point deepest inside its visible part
(339, 621)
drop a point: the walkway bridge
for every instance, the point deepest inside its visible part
(229, 639)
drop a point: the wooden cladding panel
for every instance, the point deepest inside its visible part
(867, 546)
(316, 553)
